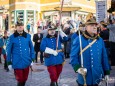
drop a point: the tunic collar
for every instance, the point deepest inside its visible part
(24, 34)
(49, 36)
(88, 36)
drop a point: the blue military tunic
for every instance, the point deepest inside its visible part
(4, 46)
(51, 43)
(20, 51)
(74, 35)
(1, 42)
(95, 60)
(1, 46)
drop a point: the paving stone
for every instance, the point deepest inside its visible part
(40, 77)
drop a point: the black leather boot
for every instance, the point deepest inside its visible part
(6, 66)
(20, 84)
(56, 84)
(53, 84)
(24, 83)
(0, 59)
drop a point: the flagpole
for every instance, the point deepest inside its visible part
(59, 26)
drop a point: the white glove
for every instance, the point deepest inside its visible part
(10, 67)
(106, 77)
(32, 63)
(59, 29)
(62, 34)
(4, 46)
(51, 51)
(38, 41)
(55, 53)
(82, 71)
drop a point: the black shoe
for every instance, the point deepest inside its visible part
(56, 84)
(53, 84)
(0, 59)
(36, 61)
(42, 62)
(5, 65)
(24, 83)
(21, 84)
(7, 70)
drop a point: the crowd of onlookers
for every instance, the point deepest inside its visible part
(106, 30)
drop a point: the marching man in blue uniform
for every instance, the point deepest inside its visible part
(89, 57)
(2, 50)
(5, 39)
(53, 57)
(1, 44)
(20, 53)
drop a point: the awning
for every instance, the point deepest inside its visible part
(68, 8)
(50, 13)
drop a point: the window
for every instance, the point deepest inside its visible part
(20, 15)
(30, 16)
(12, 17)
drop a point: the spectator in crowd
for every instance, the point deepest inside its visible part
(32, 27)
(5, 39)
(28, 27)
(66, 30)
(68, 46)
(111, 28)
(1, 44)
(104, 34)
(37, 39)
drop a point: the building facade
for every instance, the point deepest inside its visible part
(34, 10)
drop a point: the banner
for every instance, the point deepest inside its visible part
(101, 11)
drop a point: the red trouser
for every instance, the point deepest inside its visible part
(3, 55)
(0, 50)
(0, 54)
(21, 74)
(54, 72)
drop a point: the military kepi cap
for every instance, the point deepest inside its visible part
(19, 24)
(90, 19)
(52, 27)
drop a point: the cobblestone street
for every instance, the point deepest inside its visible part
(57, 42)
(40, 77)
